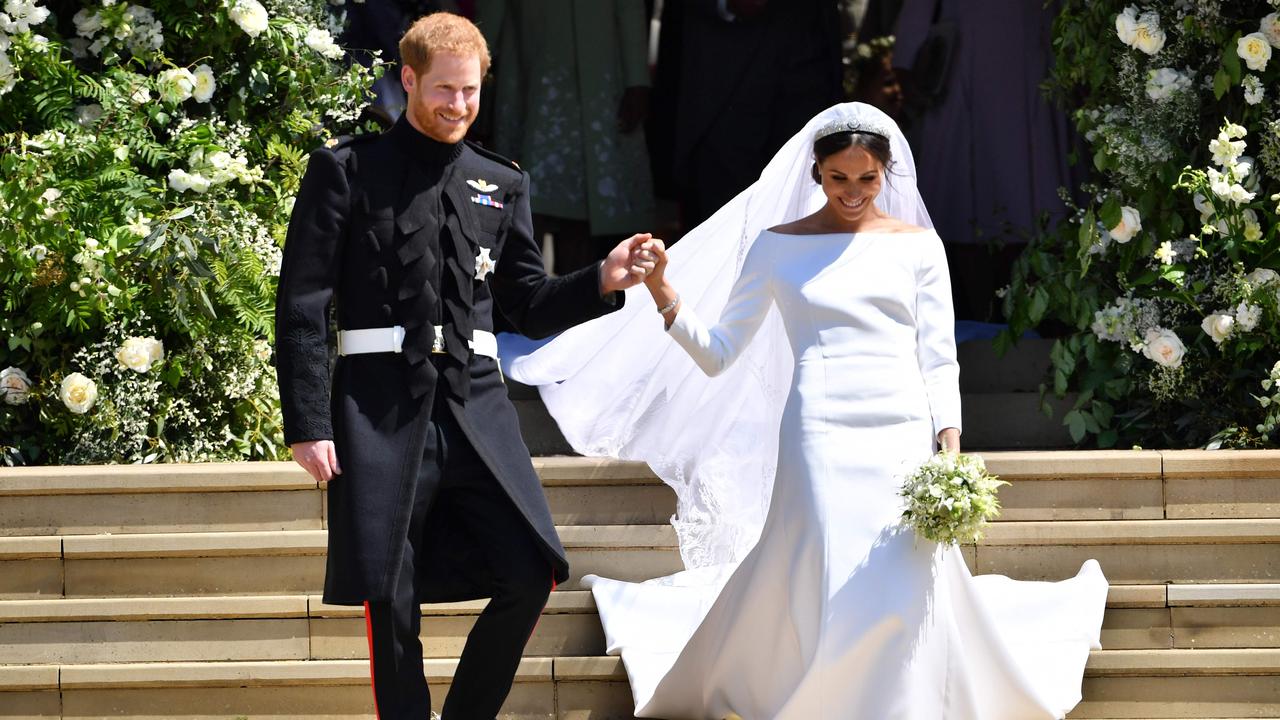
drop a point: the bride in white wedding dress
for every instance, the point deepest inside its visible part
(828, 609)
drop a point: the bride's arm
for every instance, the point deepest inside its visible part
(936, 341)
(714, 349)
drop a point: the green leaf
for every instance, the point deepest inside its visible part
(1039, 305)
(1110, 213)
(1074, 421)
(1176, 274)
(1221, 83)
(1231, 60)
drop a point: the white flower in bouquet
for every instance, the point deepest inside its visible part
(1203, 205)
(1262, 277)
(262, 350)
(1127, 25)
(140, 95)
(322, 42)
(250, 15)
(1253, 90)
(1147, 35)
(8, 78)
(1163, 347)
(1165, 82)
(175, 85)
(15, 386)
(23, 14)
(1219, 326)
(1165, 253)
(1255, 50)
(38, 253)
(139, 353)
(182, 181)
(1226, 150)
(78, 393)
(1130, 224)
(87, 24)
(138, 224)
(1248, 316)
(203, 84)
(1270, 28)
(950, 498)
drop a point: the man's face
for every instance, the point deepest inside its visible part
(443, 101)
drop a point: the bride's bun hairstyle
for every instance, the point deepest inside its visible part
(874, 143)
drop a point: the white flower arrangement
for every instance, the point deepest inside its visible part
(950, 498)
(1255, 50)
(78, 393)
(140, 354)
(1141, 32)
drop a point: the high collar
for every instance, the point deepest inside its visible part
(422, 147)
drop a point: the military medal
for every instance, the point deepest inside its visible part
(487, 201)
(484, 264)
(482, 186)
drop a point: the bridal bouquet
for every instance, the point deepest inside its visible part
(950, 498)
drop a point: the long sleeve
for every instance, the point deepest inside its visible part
(716, 348)
(308, 277)
(935, 336)
(536, 304)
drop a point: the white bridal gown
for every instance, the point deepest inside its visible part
(838, 613)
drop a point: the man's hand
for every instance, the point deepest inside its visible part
(619, 270)
(317, 457)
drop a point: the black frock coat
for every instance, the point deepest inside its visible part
(365, 214)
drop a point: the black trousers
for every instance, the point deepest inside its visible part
(522, 581)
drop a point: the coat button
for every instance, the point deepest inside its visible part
(380, 277)
(371, 237)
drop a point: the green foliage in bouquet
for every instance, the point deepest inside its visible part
(1165, 273)
(149, 155)
(950, 498)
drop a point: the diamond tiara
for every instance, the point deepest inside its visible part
(857, 125)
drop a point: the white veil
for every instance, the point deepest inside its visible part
(619, 387)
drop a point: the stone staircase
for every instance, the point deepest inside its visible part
(192, 591)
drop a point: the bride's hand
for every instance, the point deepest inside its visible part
(653, 256)
(949, 439)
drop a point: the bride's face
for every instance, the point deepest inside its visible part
(851, 180)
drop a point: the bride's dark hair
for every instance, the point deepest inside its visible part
(828, 145)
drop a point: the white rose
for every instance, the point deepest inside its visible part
(141, 95)
(1261, 277)
(1164, 347)
(1147, 35)
(14, 386)
(1218, 326)
(175, 85)
(204, 84)
(1247, 316)
(1127, 25)
(139, 354)
(1130, 224)
(322, 42)
(1255, 50)
(78, 393)
(250, 15)
(1270, 28)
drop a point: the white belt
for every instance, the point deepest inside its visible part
(391, 339)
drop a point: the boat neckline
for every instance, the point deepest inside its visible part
(921, 231)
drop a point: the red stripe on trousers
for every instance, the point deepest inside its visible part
(373, 681)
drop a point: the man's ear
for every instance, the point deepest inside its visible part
(408, 78)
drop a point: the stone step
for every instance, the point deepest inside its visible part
(301, 627)
(1050, 485)
(1118, 684)
(1132, 552)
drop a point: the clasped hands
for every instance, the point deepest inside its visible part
(639, 258)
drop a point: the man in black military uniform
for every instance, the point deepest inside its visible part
(417, 235)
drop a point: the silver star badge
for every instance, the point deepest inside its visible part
(482, 186)
(484, 264)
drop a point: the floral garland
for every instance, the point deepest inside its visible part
(1165, 276)
(149, 155)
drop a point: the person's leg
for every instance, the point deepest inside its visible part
(395, 651)
(521, 581)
